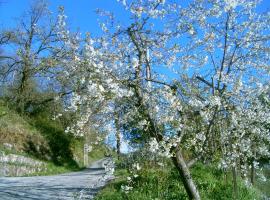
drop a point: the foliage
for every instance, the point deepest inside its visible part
(58, 141)
(163, 183)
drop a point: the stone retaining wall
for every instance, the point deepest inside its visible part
(18, 165)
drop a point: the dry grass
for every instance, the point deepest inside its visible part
(15, 130)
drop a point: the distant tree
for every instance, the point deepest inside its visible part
(37, 48)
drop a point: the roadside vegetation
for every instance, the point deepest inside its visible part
(158, 179)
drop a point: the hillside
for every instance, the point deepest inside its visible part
(32, 145)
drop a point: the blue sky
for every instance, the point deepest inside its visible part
(81, 13)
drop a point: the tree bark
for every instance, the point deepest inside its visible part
(252, 173)
(235, 187)
(184, 172)
(21, 96)
(118, 139)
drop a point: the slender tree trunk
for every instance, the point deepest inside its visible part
(235, 187)
(226, 177)
(118, 139)
(27, 63)
(252, 173)
(21, 98)
(23, 84)
(184, 172)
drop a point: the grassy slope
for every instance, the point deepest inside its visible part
(43, 139)
(164, 184)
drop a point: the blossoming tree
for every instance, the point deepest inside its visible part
(192, 77)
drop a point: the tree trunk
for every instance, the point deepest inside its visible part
(184, 172)
(235, 187)
(252, 173)
(118, 139)
(21, 97)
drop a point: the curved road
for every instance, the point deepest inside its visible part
(76, 185)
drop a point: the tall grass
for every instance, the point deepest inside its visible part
(164, 184)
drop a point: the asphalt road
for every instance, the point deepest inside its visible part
(76, 185)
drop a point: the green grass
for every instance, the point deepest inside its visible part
(164, 184)
(264, 186)
(52, 169)
(40, 138)
(97, 153)
(16, 130)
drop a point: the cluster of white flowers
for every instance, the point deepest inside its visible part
(130, 179)
(109, 167)
(56, 116)
(163, 148)
(126, 188)
(63, 33)
(153, 145)
(215, 101)
(231, 4)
